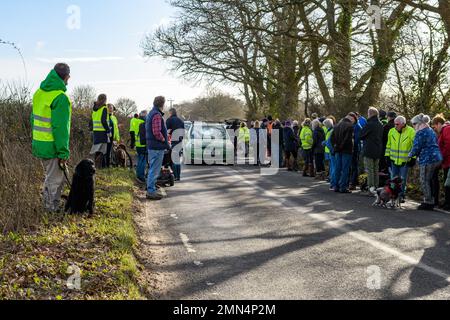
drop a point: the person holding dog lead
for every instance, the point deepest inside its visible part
(50, 122)
(430, 158)
(399, 145)
(101, 129)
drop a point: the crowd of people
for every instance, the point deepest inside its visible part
(330, 150)
(384, 144)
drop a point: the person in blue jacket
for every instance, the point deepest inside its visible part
(426, 148)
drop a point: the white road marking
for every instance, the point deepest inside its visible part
(186, 243)
(341, 226)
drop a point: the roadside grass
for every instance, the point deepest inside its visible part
(37, 265)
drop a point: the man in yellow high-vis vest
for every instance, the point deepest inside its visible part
(50, 122)
(102, 131)
(134, 126)
(141, 147)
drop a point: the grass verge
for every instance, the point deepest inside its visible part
(40, 264)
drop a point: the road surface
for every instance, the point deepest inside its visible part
(231, 233)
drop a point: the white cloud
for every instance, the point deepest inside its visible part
(40, 45)
(77, 51)
(79, 59)
(134, 81)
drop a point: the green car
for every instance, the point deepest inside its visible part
(208, 143)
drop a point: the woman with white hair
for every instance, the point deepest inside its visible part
(430, 158)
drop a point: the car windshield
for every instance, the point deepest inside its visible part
(207, 131)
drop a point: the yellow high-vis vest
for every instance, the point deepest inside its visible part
(399, 145)
(42, 114)
(138, 136)
(97, 119)
(116, 128)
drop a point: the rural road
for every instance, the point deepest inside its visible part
(230, 233)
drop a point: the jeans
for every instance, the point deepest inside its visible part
(372, 166)
(343, 163)
(333, 182)
(141, 166)
(426, 175)
(402, 172)
(155, 158)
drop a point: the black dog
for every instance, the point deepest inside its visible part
(81, 197)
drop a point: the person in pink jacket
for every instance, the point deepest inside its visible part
(442, 129)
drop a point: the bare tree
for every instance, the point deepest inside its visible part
(126, 106)
(83, 96)
(214, 106)
(273, 49)
(250, 44)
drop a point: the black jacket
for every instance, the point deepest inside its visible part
(342, 137)
(318, 138)
(297, 136)
(387, 127)
(174, 123)
(289, 139)
(372, 135)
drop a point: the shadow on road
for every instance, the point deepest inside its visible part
(314, 198)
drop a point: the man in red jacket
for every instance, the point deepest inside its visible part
(442, 129)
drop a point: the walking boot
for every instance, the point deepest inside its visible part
(312, 173)
(305, 170)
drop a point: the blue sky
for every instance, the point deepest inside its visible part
(104, 52)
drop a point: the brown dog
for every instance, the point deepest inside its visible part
(121, 155)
